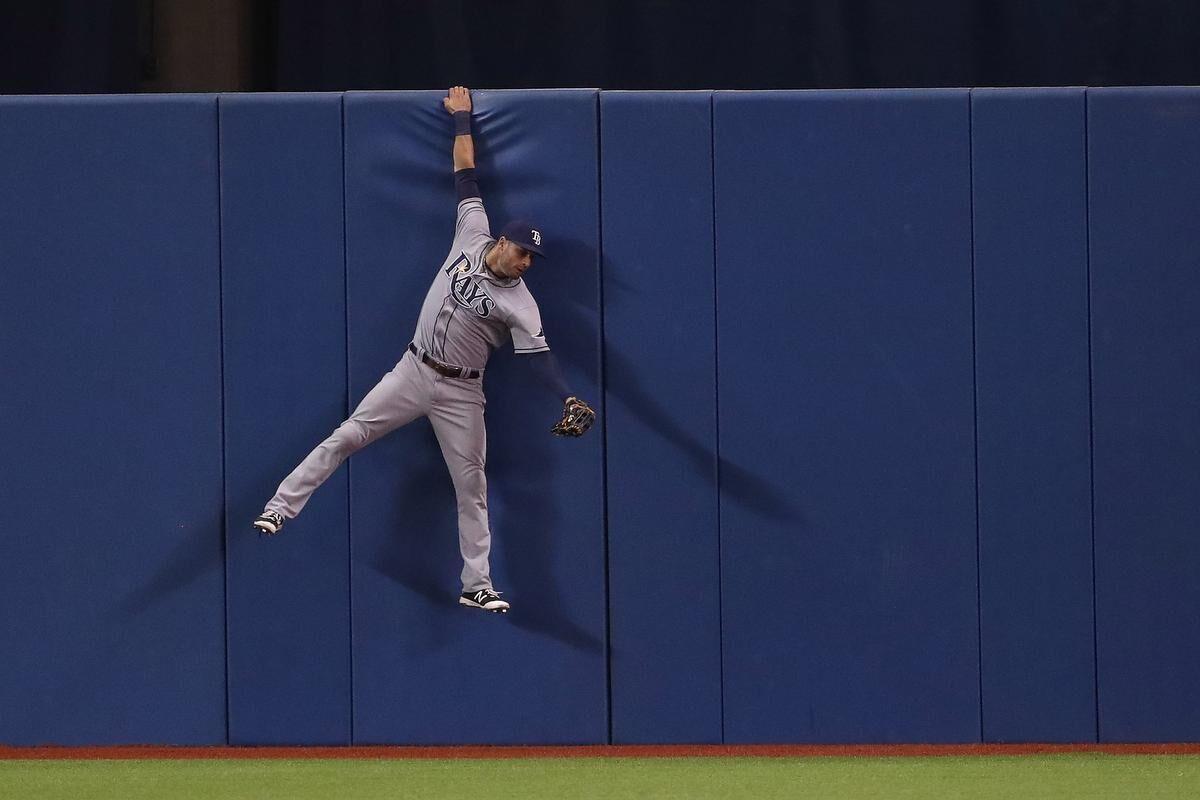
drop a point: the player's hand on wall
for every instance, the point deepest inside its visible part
(458, 98)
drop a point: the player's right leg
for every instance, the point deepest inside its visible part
(457, 419)
(400, 397)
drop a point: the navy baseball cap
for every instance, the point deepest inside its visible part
(521, 232)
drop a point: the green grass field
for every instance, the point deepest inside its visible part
(1089, 775)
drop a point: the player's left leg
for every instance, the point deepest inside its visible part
(457, 418)
(401, 396)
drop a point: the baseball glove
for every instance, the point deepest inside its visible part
(577, 418)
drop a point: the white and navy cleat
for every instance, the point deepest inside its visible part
(269, 523)
(486, 599)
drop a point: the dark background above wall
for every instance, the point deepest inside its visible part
(65, 46)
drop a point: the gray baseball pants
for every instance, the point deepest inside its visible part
(455, 408)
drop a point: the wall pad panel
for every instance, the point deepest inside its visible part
(418, 656)
(660, 347)
(285, 390)
(846, 416)
(1143, 190)
(111, 579)
(1035, 515)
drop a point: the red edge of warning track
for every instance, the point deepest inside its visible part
(591, 751)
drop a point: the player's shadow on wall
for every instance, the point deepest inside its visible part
(196, 553)
(738, 483)
(529, 525)
(536, 536)
(423, 554)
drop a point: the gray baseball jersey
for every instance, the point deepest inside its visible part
(468, 311)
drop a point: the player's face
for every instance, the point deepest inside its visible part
(514, 260)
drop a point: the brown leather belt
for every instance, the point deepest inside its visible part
(444, 369)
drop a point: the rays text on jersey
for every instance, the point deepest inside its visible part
(468, 293)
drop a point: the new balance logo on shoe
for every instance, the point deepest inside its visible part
(486, 599)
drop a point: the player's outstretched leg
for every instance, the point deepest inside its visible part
(400, 397)
(458, 422)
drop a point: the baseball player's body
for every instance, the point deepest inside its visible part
(477, 300)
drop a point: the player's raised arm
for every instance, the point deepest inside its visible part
(472, 219)
(458, 105)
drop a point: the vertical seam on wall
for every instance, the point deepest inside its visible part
(346, 415)
(712, 176)
(975, 404)
(1087, 228)
(603, 389)
(221, 360)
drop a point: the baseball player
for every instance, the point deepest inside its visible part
(477, 300)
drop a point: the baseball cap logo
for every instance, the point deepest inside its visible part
(522, 233)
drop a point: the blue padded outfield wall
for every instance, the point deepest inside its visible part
(1143, 189)
(1037, 658)
(112, 605)
(844, 383)
(897, 438)
(285, 390)
(660, 399)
